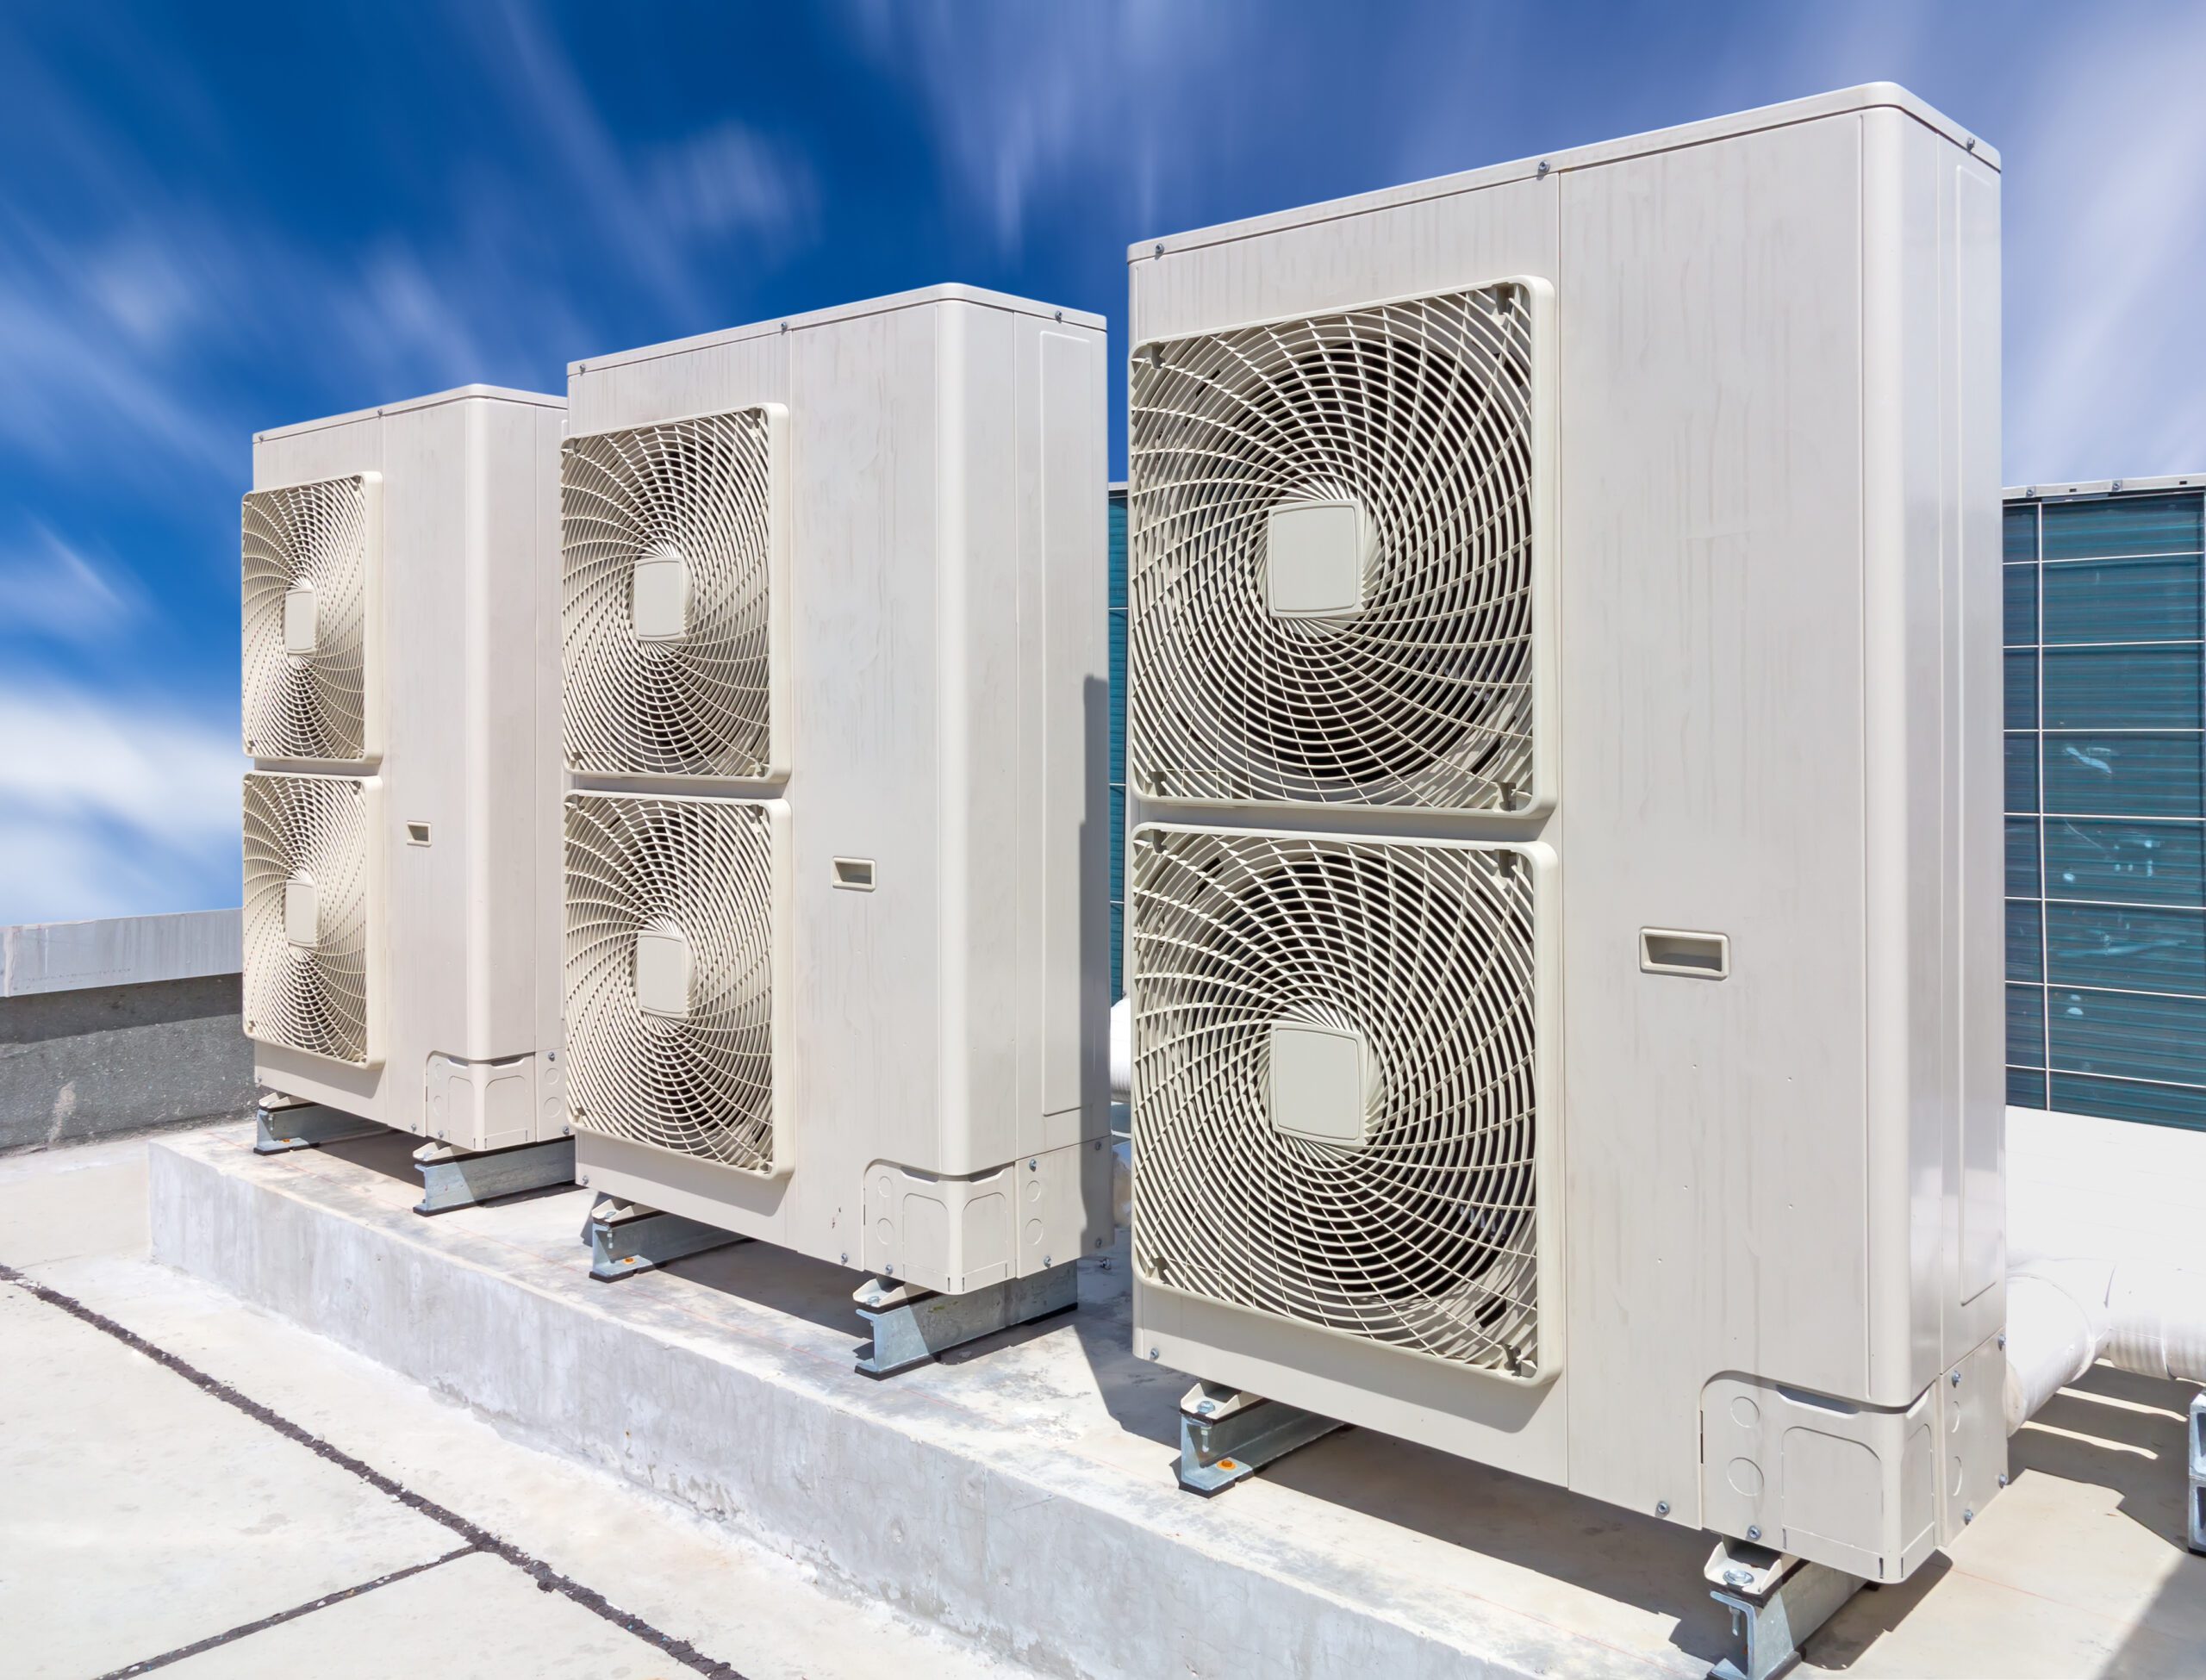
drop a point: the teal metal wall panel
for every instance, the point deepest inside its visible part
(2105, 622)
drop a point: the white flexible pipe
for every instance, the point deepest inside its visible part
(2062, 1315)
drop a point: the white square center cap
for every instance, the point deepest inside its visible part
(663, 974)
(1320, 1083)
(302, 913)
(1314, 554)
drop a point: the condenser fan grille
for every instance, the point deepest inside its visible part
(1408, 680)
(308, 553)
(666, 539)
(309, 910)
(669, 974)
(1412, 1219)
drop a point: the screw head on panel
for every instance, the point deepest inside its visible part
(888, 1271)
(1661, 1508)
(1153, 1353)
(1206, 1407)
(1753, 1533)
(1955, 1380)
(2003, 1478)
(583, 1181)
(2002, 1341)
(1032, 1165)
(1160, 248)
(1967, 1517)
(1540, 173)
(845, 1259)
(1045, 1259)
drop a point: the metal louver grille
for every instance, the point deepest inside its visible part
(694, 696)
(1415, 421)
(693, 1072)
(308, 843)
(315, 543)
(1419, 1229)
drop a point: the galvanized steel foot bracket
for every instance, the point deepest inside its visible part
(1776, 1601)
(625, 1238)
(2197, 1455)
(1226, 1437)
(459, 1178)
(284, 1124)
(912, 1326)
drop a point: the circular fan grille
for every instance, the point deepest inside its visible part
(697, 704)
(306, 704)
(314, 830)
(702, 869)
(1421, 1235)
(1419, 416)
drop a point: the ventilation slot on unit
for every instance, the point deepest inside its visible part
(310, 554)
(1335, 1106)
(308, 914)
(1331, 573)
(668, 537)
(671, 972)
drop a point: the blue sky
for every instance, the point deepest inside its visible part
(217, 219)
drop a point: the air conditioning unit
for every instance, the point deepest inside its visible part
(836, 960)
(1564, 907)
(401, 821)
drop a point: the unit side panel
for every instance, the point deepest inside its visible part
(431, 516)
(1934, 700)
(710, 380)
(865, 1026)
(987, 659)
(548, 845)
(1711, 764)
(1406, 250)
(1073, 802)
(508, 796)
(1982, 1262)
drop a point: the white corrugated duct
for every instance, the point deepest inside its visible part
(2062, 1315)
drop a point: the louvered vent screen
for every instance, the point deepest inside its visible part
(670, 973)
(1335, 1115)
(1332, 571)
(668, 538)
(309, 908)
(311, 557)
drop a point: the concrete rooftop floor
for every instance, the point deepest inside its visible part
(147, 1524)
(146, 1517)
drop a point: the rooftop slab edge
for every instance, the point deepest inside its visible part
(948, 293)
(1873, 96)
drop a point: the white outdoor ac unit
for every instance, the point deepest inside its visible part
(1564, 744)
(836, 955)
(401, 843)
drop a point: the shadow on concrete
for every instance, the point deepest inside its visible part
(1142, 1398)
(777, 1278)
(388, 1152)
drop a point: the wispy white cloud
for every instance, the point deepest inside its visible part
(1029, 102)
(48, 589)
(112, 805)
(731, 180)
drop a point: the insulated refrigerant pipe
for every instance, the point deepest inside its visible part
(2065, 1314)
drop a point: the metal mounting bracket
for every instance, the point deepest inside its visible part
(284, 1124)
(625, 1238)
(1226, 1435)
(913, 1325)
(2195, 1440)
(1776, 1601)
(460, 1179)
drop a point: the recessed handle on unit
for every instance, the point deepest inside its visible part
(1673, 951)
(854, 875)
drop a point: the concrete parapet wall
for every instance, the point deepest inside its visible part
(119, 1026)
